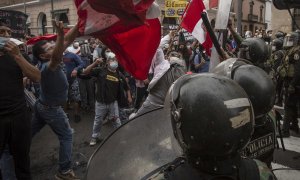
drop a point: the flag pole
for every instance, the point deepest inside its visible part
(212, 34)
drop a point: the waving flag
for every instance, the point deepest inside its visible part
(130, 28)
(193, 23)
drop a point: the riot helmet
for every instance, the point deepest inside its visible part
(280, 35)
(255, 81)
(277, 44)
(291, 39)
(211, 116)
(254, 50)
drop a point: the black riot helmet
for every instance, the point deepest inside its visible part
(291, 39)
(280, 35)
(254, 50)
(255, 81)
(211, 115)
(277, 44)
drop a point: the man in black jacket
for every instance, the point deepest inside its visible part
(14, 118)
(110, 86)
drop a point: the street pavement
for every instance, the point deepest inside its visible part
(286, 165)
(44, 151)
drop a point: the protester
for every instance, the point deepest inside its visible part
(110, 86)
(72, 64)
(14, 117)
(53, 95)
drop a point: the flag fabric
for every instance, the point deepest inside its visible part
(48, 37)
(193, 23)
(130, 28)
(213, 3)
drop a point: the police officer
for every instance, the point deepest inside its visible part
(254, 50)
(278, 54)
(290, 71)
(212, 120)
(261, 91)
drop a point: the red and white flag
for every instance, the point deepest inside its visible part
(130, 28)
(193, 23)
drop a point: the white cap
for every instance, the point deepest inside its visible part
(110, 55)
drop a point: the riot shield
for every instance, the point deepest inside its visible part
(138, 147)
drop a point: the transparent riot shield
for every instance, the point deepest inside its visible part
(142, 145)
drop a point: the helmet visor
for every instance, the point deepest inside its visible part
(288, 41)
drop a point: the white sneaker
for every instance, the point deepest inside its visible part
(93, 142)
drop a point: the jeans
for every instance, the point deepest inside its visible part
(101, 110)
(58, 121)
(141, 92)
(15, 132)
(7, 166)
(87, 91)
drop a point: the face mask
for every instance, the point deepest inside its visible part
(113, 65)
(197, 50)
(273, 48)
(260, 36)
(106, 54)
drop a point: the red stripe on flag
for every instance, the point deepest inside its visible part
(136, 47)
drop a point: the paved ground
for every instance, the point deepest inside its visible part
(286, 164)
(44, 149)
(44, 152)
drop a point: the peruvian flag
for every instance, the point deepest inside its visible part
(193, 23)
(130, 28)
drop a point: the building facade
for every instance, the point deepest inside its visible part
(41, 12)
(256, 14)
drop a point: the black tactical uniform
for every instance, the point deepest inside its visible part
(261, 91)
(212, 120)
(290, 72)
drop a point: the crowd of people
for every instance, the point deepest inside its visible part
(85, 75)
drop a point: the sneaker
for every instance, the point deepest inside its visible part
(93, 141)
(77, 118)
(69, 175)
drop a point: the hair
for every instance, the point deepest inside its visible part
(3, 22)
(37, 48)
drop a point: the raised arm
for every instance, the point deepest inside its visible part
(56, 57)
(71, 36)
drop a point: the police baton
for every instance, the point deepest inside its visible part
(212, 34)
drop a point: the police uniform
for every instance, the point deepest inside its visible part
(290, 72)
(179, 169)
(261, 91)
(211, 152)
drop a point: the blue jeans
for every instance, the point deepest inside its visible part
(101, 110)
(7, 165)
(58, 121)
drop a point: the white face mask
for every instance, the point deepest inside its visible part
(259, 36)
(273, 48)
(113, 65)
